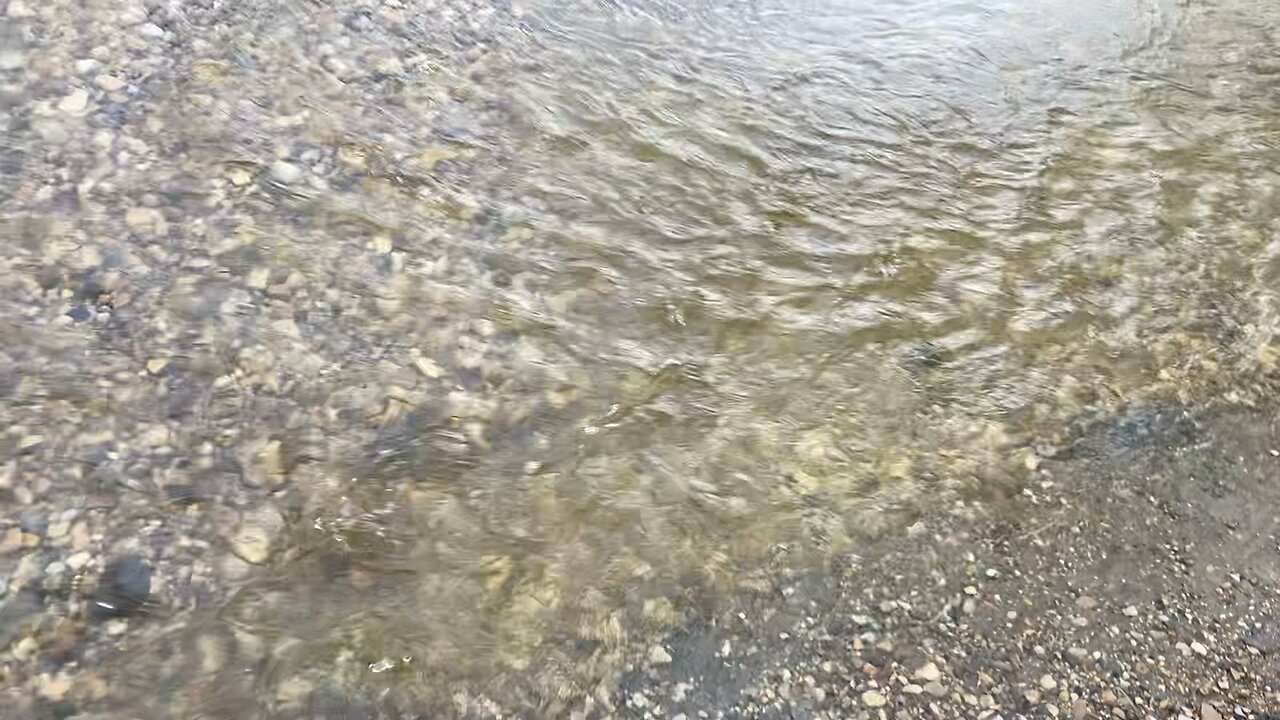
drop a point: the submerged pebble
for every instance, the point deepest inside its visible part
(123, 588)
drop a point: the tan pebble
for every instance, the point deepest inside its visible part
(258, 278)
(286, 327)
(75, 102)
(239, 176)
(58, 530)
(77, 561)
(29, 442)
(658, 655)
(155, 366)
(11, 541)
(293, 692)
(109, 82)
(140, 219)
(53, 687)
(360, 578)
(25, 649)
(874, 699)
(252, 544)
(212, 653)
(928, 672)
(428, 367)
(155, 436)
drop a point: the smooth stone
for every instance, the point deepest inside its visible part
(110, 82)
(75, 102)
(123, 589)
(286, 172)
(12, 60)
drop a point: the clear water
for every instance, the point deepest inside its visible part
(587, 312)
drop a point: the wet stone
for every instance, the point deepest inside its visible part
(181, 494)
(75, 102)
(123, 589)
(34, 522)
(286, 172)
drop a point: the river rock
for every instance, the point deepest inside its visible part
(75, 102)
(123, 589)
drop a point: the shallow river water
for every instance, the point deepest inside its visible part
(441, 351)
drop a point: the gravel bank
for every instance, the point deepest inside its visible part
(1135, 576)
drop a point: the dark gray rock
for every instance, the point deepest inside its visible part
(124, 588)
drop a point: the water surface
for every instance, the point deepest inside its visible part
(579, 315)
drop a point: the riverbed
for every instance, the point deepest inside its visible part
(437, 354)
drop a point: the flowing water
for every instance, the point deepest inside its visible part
(540, 325)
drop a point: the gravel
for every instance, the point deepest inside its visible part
(1082, 545)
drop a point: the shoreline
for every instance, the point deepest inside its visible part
(1135, 577)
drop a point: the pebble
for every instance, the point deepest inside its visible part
(25, 649)
(658, 655)
(150, 30)
(252, 544)
(1199, 648)
(124, 587)
(1130, 611)
(53, 687)
(77, 561)
(286, 172)
(873, 699)
(928, 672)
(1086, 602)
(33, 521)
(12, 60)
(146, 221)
(428, 367)
(75, 102)
(1208, 712)
(20, 9)
(11, 541)
(239, 176)
(131, 14)
(109, 82)
(935, 689)
(212, 652)
(1048, 683)
(80, 536)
